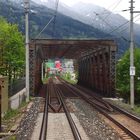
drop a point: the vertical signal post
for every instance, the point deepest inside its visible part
(26, 6)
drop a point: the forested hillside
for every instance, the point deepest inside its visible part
(63, 27)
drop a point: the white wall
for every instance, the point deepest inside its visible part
(16, 100)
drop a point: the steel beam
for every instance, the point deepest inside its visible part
(112, 73)
(31, 70)
(98, 71)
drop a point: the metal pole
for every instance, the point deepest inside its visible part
(132, 68)
(42, 73)
(26, 2)
(0, 106)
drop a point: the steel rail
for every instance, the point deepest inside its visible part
(96, 98)
(125, 129)
(104, 106)
(124, 112)
(43, 131)
(114, 107)
(70, 120)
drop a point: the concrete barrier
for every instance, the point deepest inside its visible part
(16, 100)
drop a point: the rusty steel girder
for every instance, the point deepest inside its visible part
(97, 71)
(35, 60)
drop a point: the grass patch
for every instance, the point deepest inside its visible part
(45, 80)
(12, 138)
(69, 80)
(23, 104)
(10, 114)
(137, 109)
(126, 106)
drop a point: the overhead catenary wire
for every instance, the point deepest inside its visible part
(117, 4)
(137, 20)
(54, 16)
(118, 32)
(126, 28)
(104, 18)
(45, 27)
(116, 29)
(119, 27)
(111, 27)
(110, 6)
(54, 20)
(122, 25)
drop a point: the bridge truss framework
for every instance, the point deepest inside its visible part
(96, 61)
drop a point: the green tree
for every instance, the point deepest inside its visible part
(12, 49)
(123, 77)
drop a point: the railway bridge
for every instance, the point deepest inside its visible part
(95, 62)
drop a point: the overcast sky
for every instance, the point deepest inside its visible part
(113, 5)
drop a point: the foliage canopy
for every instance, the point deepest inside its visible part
(123, 77)
(12, 51)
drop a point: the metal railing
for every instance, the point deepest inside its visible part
(16, 86)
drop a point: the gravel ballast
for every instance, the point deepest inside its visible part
(94, 126)
(27, 124)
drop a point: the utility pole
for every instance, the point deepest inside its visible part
(42, 73)
(26, 6)
(132, 67)
(0, 106)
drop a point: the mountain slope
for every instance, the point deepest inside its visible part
(65, 27)
(100, 18)
(105, 20)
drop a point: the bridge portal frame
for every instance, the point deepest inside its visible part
(96, 62)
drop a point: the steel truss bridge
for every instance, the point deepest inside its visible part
(95, 62)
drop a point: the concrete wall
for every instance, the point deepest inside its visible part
(16, 100)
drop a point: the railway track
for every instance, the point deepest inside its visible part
(43, 131)
(128, 123)
(55, 102)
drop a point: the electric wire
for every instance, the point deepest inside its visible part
(54, 20)
(117, 1)
(123, 25)
(54, 16)
(118, 32)
(119, 27)
(137, 20)
(117, 4)
(45, 27)
(111, 27)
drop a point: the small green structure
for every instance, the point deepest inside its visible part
(50, 64)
